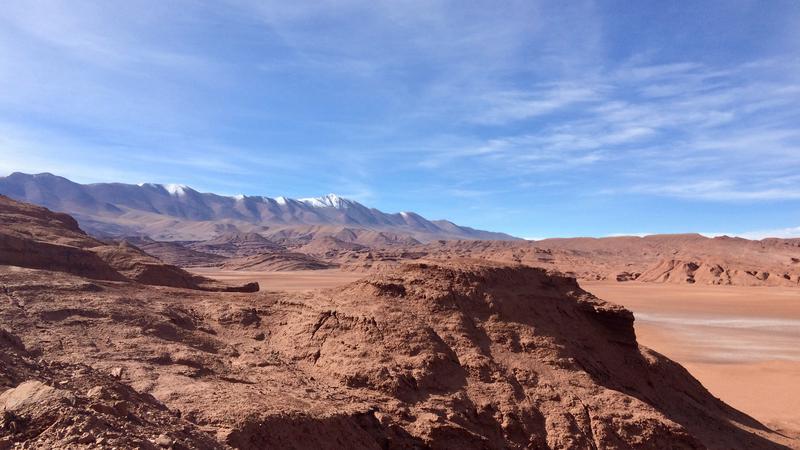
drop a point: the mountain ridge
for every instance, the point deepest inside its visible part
(177, 211)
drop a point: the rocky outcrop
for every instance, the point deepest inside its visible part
(175, 253)
(25, 252)
(32, 236)
(675, 271)
(675, 259)
(457, 355)
(476, 356)
(709, 272)
(47, 404)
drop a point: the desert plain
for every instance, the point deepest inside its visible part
(289, 281)
(741, 342)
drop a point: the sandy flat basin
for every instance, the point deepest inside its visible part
(292, 281)
(742, 343)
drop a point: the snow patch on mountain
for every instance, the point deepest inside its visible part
(176, 189)
(328, 201)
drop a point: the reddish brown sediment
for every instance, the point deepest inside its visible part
(464, 353)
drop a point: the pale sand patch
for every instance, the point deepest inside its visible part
(742, 343)
(768, 391)
(291, 281)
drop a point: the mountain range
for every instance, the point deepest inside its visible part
(178, 212)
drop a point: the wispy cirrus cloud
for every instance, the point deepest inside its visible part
(504, 107)
(729, 121)
(716, 190)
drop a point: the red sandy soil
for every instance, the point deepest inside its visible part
(742, 343)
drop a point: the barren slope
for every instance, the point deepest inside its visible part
(175, 253)
(32, 236)
(459, 356)
(49, 404)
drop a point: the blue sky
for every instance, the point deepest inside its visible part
(535, 118)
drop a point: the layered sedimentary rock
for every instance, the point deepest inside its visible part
(35, 237)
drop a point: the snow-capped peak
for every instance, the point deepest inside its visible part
(328, 201)
(176, 189)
